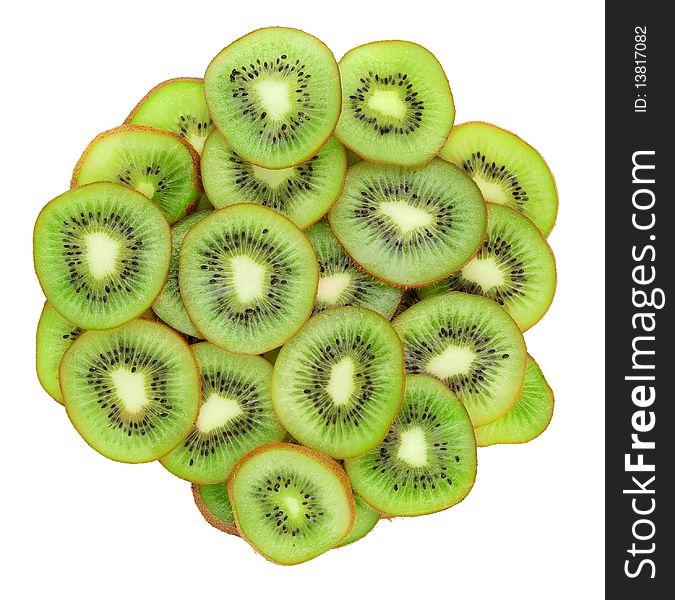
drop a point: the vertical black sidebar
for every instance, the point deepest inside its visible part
(640, 265)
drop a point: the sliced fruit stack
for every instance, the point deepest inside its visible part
(297, 286)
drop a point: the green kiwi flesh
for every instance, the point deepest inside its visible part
(131, 392)
(101, 254)
(159, 164)
(528, 418)
(365, 520)
(303, 193)
(507, 170)
(514, 267)
(409, 226)
(342, 282)
(235, 416)
(248, 278)
(396, 103)
(54, 337)
(214, 504)
(169, 305)
(176, 105)
(472, 345)
(291, 503)
(426, 462)
(338, 383)
(274, 94)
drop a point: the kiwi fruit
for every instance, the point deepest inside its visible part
(426, 462)
(54, 336)
(472, 345)
(397, 105)
(235, 416)
(408, 299)
(514, 267)
(204, 204)
(214, 504)
(342, 282)
(169, 305)
(303, 193)
(352, 158)
(409, 226)
(131, 392)
(248, 278)
(274, 94)
(177, 105)
(159, 164)
(338, 383)
(365, 520)
(528, 418)
(291, 503)
(101, 253)
(507, 170)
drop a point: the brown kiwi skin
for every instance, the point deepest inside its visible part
(327, 461)
(380, 162)
(194, 360)
(339, 100)
(515, 135)
(159, 86)
(196, 165)
(209, 517)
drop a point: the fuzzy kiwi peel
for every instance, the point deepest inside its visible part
(226, 525)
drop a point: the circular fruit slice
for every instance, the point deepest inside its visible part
(54, 337)
(214, 504)
(364, 522)
(529, 416)
(303, 193)
(248, 278)
(176, 105)
(427, 461)
(342, 282)
(131, 392)
(507, 170)
(159, 164)
(274, 94)
(291, 503)
(396, 103)
(514, 267)
(236, 416)
(472, 345)
(409, 226)
(169, 304)
(338, 383)
(101, 254)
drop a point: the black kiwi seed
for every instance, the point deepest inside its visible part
(479, 165)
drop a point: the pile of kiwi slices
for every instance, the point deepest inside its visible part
(298, 287)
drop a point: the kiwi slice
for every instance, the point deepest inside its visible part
(214, 504)
(396, 103)
(274, 94)
(54, 336)
(427, 461)
(409, 226)
(529, 416)
(342, 282)
(159, 164)
(291, 503)
(472, 345)
(101, 254)
(235, 417)
(303, 193)
(338, 383)
(365, 520)
(248, 278)
(408, 299)
(514, 267)
(507, 170)
(169, 304)
(177, 105)
(131, 392)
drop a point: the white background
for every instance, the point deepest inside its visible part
(75, 525)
